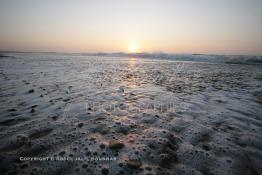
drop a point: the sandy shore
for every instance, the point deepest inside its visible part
(96, 115)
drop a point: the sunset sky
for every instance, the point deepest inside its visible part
(174, 26)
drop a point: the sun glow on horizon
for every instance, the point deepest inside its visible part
(137, 26)
(133, 47)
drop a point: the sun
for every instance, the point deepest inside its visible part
(133, 47)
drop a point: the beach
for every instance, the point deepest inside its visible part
(64, 114)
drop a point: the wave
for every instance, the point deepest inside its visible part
(226, 59)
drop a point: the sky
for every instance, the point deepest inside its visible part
(172, 26)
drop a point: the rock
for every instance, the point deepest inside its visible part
(34, 106)
(205, 146)
(80, 125)
(148, 168)
(105, 171)
(102, 146)
(54, 117)
(66, 100)
(167, 159)
(114, 144)
(133, 163)
(23, 166)
(118, 123)
(62, 153)
(31, 91)
(22, 139)
(100, 128)
(32, 110)
(123, 129)
(131, 140)
(121, 89)
(92, 139)
(12, 110)
(84, 166)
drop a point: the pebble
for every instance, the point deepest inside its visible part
(114, 144)
(31, 91)
(80, 125)
(102, 146)
(134, 163)
(105, 171)
(22, 139)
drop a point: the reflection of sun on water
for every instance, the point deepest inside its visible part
(131, 76)
(132, 62)
(131, 82)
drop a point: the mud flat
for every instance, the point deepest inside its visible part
(97, 115)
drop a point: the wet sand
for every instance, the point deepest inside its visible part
(147, 116)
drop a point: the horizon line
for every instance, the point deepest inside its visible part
(125, 53)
